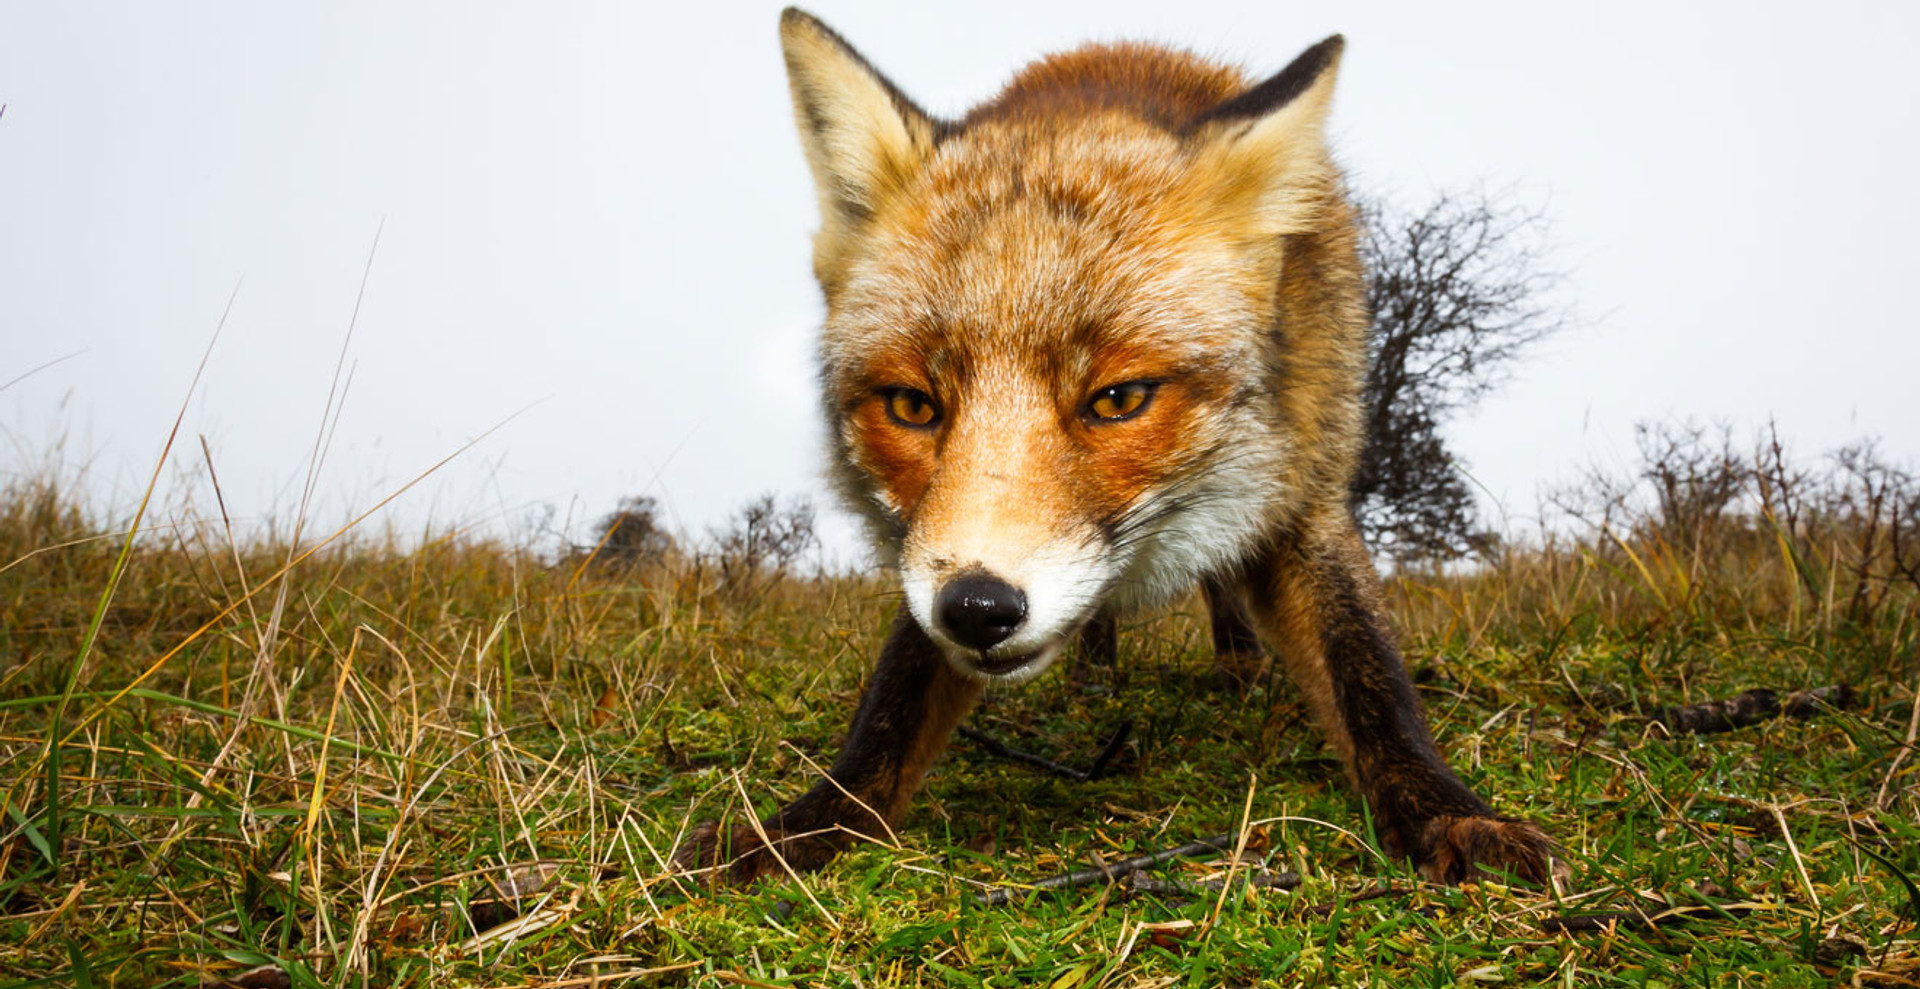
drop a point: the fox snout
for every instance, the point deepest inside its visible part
(999, 617)
(979, 610)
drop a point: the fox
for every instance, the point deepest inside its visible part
(1093, 344)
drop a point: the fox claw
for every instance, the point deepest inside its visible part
(1460, 850)
(744, 854)
(737, 858)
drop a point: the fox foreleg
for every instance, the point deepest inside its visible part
(1318, 596)
(908, 709)
(1236, 646)
(1098, 646)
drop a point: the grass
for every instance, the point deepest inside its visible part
(453, 762)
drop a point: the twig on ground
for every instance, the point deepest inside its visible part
(1005, 751)
(1111, 749)
(1749, 708)
(1376, 893)
(1113, 872)
(1141, 883)
(1588, 923)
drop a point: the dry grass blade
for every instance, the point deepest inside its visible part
(1906, 748)
(599, 978)
(50, 755)
(746, 803)
(1239, 849)
(36, 369)
(527, 924)
(1799, 861)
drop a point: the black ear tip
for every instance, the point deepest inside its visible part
(1281, 89)
(1323, 54)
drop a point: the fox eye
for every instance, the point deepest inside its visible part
(910, 407)
(1121, 401)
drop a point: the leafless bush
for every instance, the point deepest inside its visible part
(761, 544)
(1855, 520)
(632, 535)
(1847, 526)
(1878, 506)
(1458, 291)
(1697, 477)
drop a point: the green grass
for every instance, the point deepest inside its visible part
(346, 789)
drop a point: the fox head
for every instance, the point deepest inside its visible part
(1089, 343)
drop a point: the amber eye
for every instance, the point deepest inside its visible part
(1121, 401)
(910, 407)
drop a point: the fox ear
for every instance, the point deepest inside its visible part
(863, 137)
(1265, 159)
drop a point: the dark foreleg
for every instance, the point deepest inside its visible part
(1318, 597)
(1235, 645)
(910, 706)
(1098, 645)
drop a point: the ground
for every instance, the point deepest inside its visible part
(457, 763)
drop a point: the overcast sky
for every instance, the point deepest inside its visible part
(597, 213)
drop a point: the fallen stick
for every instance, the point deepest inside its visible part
(1112, 872)
(1140, 882)
(1749, 708)
(1107, 752)
(1376, 893)
(1589, 923)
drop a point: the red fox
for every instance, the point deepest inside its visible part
(1098, 341)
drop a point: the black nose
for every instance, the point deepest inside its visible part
(980, 611)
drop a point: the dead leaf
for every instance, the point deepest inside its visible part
(258, 977)
(604, 708)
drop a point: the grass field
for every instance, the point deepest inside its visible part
(453, 762)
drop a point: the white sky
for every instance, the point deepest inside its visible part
(598, 212)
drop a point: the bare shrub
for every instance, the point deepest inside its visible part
(1875, 507)
(632, 536)
(1697, 515)
(761, 543)
(1458, 291)
(1698, 479)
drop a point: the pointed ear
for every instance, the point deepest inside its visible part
(1265, 161)
(864, 139)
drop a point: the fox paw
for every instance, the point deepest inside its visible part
(736, 856)
(1457, 850)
